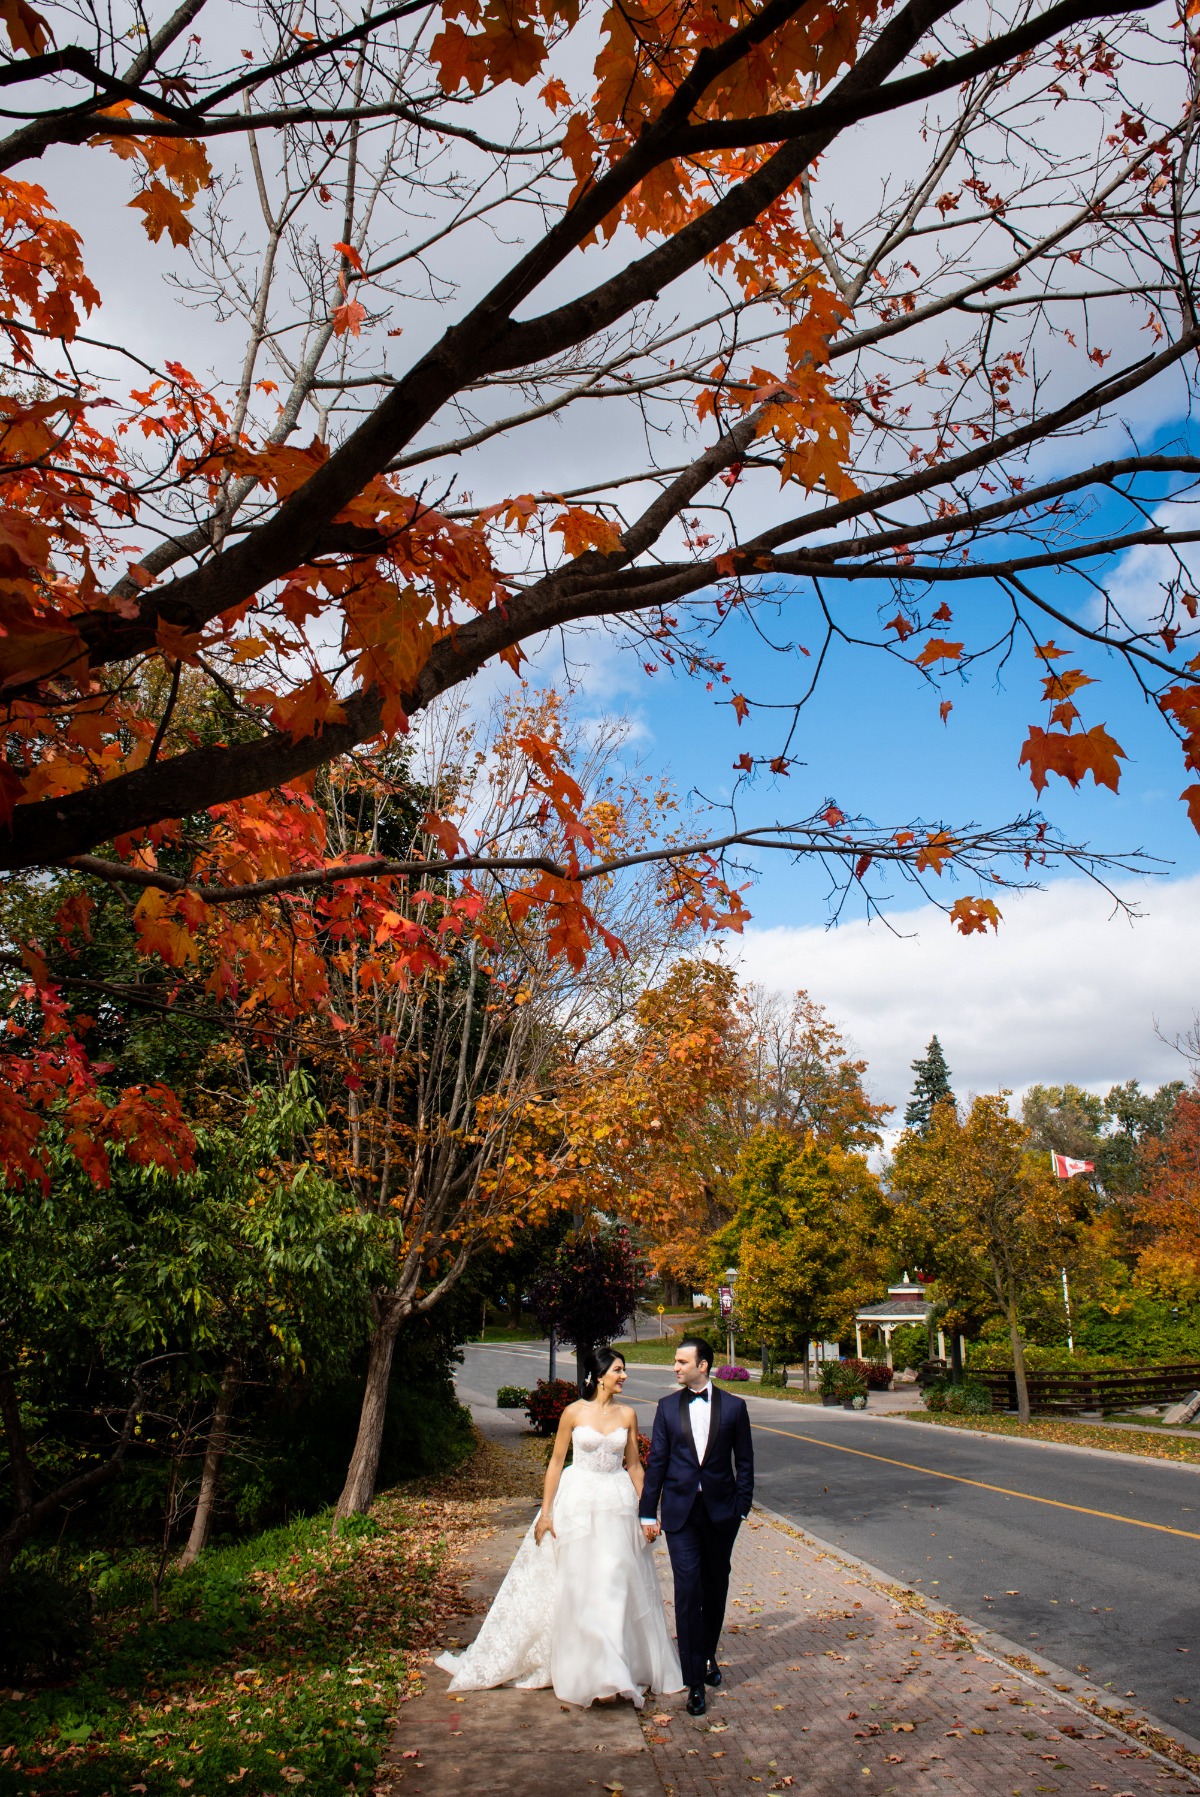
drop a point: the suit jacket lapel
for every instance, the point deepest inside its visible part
(685, 1424)
(714, 1421)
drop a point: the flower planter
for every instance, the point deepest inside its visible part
(831, 1401)
(853, 1403)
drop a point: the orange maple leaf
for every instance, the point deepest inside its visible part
(1062, 685)
(164, 211)
(348, 317)
(935, 851)
(938, 649)
(582, 530)
(971, 915)
(27, 29)
(176, 643)
(1091, 751)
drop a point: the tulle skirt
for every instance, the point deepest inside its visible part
(582, 1612)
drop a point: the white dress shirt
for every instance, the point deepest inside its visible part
(699, 1415)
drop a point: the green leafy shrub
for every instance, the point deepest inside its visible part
(775, 1377)
(997, 1357)
(844, 1379)
(829, 1378)
(910, 1346)
(512, 1397)
(968, 1399)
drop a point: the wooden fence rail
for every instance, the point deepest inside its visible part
(1053, 1392)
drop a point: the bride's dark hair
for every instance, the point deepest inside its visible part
(596, 1365)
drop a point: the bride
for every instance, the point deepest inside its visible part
(580, 1608)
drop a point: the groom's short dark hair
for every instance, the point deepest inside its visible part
(703, 1351)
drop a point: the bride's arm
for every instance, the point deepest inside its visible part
(633, 1459)
(562, 1442)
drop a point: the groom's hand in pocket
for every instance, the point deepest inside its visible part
(650, 1531)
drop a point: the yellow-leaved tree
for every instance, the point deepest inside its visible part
(992, 1220)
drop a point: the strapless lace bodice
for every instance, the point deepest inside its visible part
(596, 1451)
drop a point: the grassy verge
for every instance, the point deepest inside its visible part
(1083, 1435)
(651, 1351)
(790, 1394)
(1149, 1422)
(273, 1664)
(494, 1333)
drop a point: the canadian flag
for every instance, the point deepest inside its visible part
(1065, 1168)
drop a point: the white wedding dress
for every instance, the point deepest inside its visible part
(582, 1612)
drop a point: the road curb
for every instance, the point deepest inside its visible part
(1055, 1681)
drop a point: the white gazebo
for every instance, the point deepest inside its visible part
(905, 1303)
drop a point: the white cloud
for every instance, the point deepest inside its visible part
(1064, 991)
(1137, 585)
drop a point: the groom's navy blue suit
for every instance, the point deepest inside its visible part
(703, 1503)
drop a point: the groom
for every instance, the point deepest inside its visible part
(702, 1466)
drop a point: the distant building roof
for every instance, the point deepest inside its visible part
(893, 1312)
(905, 1303)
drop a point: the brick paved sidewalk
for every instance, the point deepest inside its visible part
(837, 1682)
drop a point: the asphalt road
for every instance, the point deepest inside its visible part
(1090, 1560)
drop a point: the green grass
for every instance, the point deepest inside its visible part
(1162, 1446)
(652, 1351)
(790, 1394)
(495, 1333)
(274, 1663)
(1146, 1422)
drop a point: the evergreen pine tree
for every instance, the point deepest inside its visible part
(932, 1086)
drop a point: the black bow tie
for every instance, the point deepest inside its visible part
(698, 1397)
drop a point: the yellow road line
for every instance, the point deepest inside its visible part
(1135, 1522)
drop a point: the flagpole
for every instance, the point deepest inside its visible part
(1067, 1308)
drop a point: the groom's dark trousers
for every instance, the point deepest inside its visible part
(703, 1505)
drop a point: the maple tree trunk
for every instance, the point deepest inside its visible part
(359, 1489)
(214, 1455)
(1018, 1348)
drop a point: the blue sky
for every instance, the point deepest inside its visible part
(871, 738)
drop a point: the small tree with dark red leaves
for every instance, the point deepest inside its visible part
(590, 1289)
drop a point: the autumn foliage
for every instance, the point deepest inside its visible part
(214, 586)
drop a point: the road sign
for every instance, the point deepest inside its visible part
(661, 1309)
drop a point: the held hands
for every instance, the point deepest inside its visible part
(650, 1531)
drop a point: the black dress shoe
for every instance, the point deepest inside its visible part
(696, 1705)
(712, 1674)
